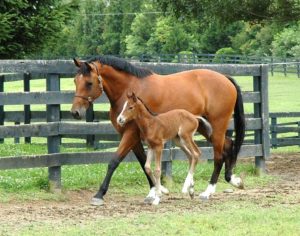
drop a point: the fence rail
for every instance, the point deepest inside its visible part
(54, 124)
(276, 64)
(285, 133)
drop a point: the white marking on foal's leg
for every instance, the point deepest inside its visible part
(236, 181)
(211, 188)
(189, 182)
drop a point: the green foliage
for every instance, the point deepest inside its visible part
(287, 42)
(26, 25)
(222, 53)
(171, 36)
(234, 10)
(255, 39)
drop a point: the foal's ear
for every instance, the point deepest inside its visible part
(77, 62)
(134, 97)
(129, 94)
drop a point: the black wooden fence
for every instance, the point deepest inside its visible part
(59, 125)
(285, 132)
(276, 64)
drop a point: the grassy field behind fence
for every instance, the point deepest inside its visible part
(248, 218)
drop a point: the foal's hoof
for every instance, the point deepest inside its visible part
(192, 193)
(204, 197)
(149, 200)
(97, 201)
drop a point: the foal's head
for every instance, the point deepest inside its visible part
(130, 109)
(88, 87)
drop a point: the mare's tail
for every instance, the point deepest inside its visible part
(239, 121)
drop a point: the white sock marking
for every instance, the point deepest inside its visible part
(189, 181)
(211, 188)
(235, 181)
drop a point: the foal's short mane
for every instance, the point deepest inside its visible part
(151, 112)
(118, 64)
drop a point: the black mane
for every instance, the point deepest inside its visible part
(118, 64)
(151, 112)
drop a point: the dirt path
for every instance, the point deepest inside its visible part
(76, 209)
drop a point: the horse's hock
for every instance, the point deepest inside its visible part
(56, 126)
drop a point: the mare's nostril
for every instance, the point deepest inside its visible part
(75, 114)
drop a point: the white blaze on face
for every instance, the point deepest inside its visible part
(121, 119)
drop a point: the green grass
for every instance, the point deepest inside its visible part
(226, 219)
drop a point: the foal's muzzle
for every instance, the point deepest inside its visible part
(121, 121)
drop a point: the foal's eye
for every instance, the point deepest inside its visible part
(130, 108)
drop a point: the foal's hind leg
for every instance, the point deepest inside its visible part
(191, 150)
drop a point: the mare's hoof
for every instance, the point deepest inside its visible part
(97, 202)
(241, 186)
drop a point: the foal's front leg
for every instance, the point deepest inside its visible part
(157, 174)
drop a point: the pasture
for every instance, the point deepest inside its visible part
(269, 205)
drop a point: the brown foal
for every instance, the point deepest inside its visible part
(155, 129)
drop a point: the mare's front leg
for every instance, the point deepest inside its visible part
(128, 141)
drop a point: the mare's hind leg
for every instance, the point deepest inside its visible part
(217, 138)
(230, 161)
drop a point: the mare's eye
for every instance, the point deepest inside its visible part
(130, 108)
(89, 84)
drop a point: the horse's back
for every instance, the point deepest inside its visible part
(199, 91)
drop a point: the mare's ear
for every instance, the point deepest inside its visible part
(88, 66)
(134, 98)
(77, 62)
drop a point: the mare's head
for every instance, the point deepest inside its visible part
(130, 109)
(89, 86)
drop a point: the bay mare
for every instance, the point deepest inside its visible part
(178, 125)
(202, 92)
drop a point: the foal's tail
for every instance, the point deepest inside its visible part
(239, 120)
(206, 125)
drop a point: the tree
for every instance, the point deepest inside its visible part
(234, 10)
(26, 25)
(287, 42)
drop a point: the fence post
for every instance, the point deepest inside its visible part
(299, 130)
(90, 139)
(298, 68)
(53, 114)
(17, 139)
(261, 110)
(27, 114)
(274, 131)
(272, 66)
(284, 67)
(167, 165)
(2, 107)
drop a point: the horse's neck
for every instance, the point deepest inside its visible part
(115, 83)
(144, 119)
